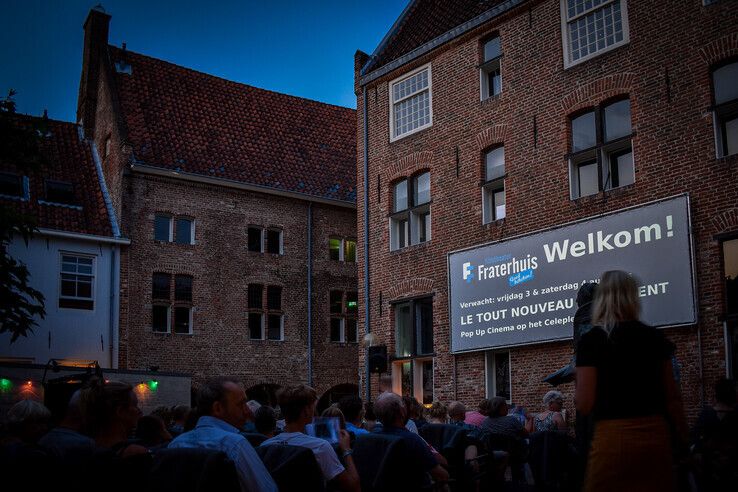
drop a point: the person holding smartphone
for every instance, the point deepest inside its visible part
(298, 408)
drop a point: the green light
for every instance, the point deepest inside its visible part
(5, 385)
(153, 384)
(351, 304)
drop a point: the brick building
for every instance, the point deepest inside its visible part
(479, 122)
(240, 207)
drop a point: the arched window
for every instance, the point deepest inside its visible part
(725, 95)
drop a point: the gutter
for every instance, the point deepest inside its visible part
(454, 33)
(367, 311)
(310, 294)
(83, 237)
(229, 183)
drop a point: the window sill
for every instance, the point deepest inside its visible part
(603, 195)
(63, 205)
(494, 223)
(412, 247)
(491, 99)
(409, 134)
(344, 344)
(728, 159)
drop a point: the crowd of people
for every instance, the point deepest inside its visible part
(636, 437)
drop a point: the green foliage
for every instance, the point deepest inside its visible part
(19, 302)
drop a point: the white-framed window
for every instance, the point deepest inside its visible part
(14, 186)
(601, 155)
(163, 227)
(265, 322)
(108, 146)
(77, 281)
(341, 249)
(497, 373)
(592, 27)
(410, 222)
(493, 189)
(725, 111)
(343, 309)
(411, 105)
(490, 71)
(185, 231)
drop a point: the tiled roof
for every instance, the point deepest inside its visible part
(189, 121)
(426, 20)
(68, 159)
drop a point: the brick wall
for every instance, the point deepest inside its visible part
(222, 267)
(673, 148)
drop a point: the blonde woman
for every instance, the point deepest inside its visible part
(624, 378)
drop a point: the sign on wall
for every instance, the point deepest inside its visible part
(524, 290)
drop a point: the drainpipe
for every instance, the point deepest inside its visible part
(310, 294)
(367, 315)
(114, 304)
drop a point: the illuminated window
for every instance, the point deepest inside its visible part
(343, 307)
(340, 249)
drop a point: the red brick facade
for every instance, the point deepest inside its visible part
(219, 261)
(665, 72)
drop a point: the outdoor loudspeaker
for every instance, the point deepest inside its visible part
(377, 358)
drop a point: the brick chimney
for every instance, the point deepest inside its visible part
(95, 50)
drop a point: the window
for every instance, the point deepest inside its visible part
(725, 94)
(274, 241)
(498, 375)
(410, 103)
(592, 27)
(730, 273)
(60, 192)
(167, 314)
(340, 249)
(13, 186)
(77, 282)
(271, 318)
(107, 146)
(254, 239)
(343, 310)
(490, 70)
(493, 190)
(413, 373)
(185, 231)
(414, 328)
(602, 155)
(411, 220)
(162, 227)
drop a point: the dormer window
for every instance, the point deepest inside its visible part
(13, 186)
(61, 192)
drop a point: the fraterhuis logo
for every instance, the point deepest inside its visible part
(468, 272)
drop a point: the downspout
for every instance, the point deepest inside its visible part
(367, 314)
(310, 295)
(114, 304)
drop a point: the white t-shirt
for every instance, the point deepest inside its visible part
(326, 457)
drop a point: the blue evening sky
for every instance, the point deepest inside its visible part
(303, 48)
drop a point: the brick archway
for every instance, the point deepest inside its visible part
(409, 164)
(410, 287)
(726, 221)
(595, 92)
(720, 49)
